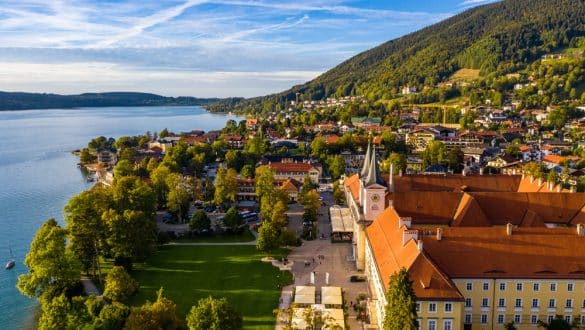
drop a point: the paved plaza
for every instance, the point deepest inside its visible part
(336, 259)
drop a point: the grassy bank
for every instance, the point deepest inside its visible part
(189, 273)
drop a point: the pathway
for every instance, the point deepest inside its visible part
(89, 287)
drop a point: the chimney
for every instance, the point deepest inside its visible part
(400, 172)
(391, 179)
(531, 179)
(540, 181)
(551, 186)
(481, 171)
(509, 228)
(407, 235)
(439, 234)
(522, 175)
(573, 189)
(580, 229)
(559, 188)
(419, 244)
(404, 221)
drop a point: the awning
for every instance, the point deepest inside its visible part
(331, 295)
(305, 295)
(341, 221)
(333, 317)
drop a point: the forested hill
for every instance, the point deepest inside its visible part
(21, 101)
(497, 38)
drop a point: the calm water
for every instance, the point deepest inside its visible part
(38, 174)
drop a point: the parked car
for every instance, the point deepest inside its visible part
(357, 278)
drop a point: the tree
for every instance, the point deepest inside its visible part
(131, 234)
(200, 222)
(213, 314)
(164, 133)
(268, 236)
(123, 168)
(158, 178)
(178, 199)
(552, 177)
(311, 204)
(85, 157)
(232, 219)
(226, 186)
(52, 268)
(247, 171)
(401, 307)
(338, 194)
(433, 154)
(336, 167)
(510, 326)
(112, 316)
(119, 284)
(162, 314)
(454, 159)
(86, 230)
(396, 159)
(558, 323)
(264, 181)
(318, 147)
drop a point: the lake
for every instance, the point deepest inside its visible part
(38, 174)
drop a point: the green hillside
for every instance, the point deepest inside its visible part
(496, 39)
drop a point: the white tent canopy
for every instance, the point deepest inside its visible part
(341, 221)
(333, 317)
(331, 295)
(304, 295)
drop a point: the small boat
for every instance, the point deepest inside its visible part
(11, 263)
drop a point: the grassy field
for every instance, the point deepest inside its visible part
(465, 75)
(189, 273)
(246, 236)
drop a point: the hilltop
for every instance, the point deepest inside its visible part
(22, 101)
(493, 40)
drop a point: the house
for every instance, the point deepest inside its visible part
(406, 90)
(502, 160)
(234, 141)
(296, 171)
(420, 138)
(364, 122)
(530, 153)
(107, 158)
(251, 124)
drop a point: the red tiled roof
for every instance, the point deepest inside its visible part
(385, 240)
(291, 167)
(353, 184)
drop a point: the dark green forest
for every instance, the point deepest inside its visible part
(21, 101)
(497, 39)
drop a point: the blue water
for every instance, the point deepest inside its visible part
(38, 174)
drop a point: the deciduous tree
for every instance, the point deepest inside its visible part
(213, 314)
(119, 284)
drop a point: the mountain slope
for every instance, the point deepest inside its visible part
(496, 38)
(21, 101)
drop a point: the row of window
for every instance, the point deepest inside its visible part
(448, 307)
(552, 303)
(432, 324)
(519, 286)
(501, 319)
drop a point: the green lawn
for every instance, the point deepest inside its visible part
(246, 236)
(189, 273)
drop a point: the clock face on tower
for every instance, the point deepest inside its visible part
(375, 198)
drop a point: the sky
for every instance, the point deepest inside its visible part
(216, 48)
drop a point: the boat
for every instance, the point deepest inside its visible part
(10, 264)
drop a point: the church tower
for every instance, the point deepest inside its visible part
(372, 202)
(373, 189)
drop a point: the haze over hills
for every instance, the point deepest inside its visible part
(22, 101)
(498, 38)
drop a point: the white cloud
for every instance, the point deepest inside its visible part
(73, 77)
(468, 3)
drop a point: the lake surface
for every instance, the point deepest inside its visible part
(38, 174)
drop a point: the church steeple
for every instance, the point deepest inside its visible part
(373, 171)
(366, 166)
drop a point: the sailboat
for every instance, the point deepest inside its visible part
(10, 264)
